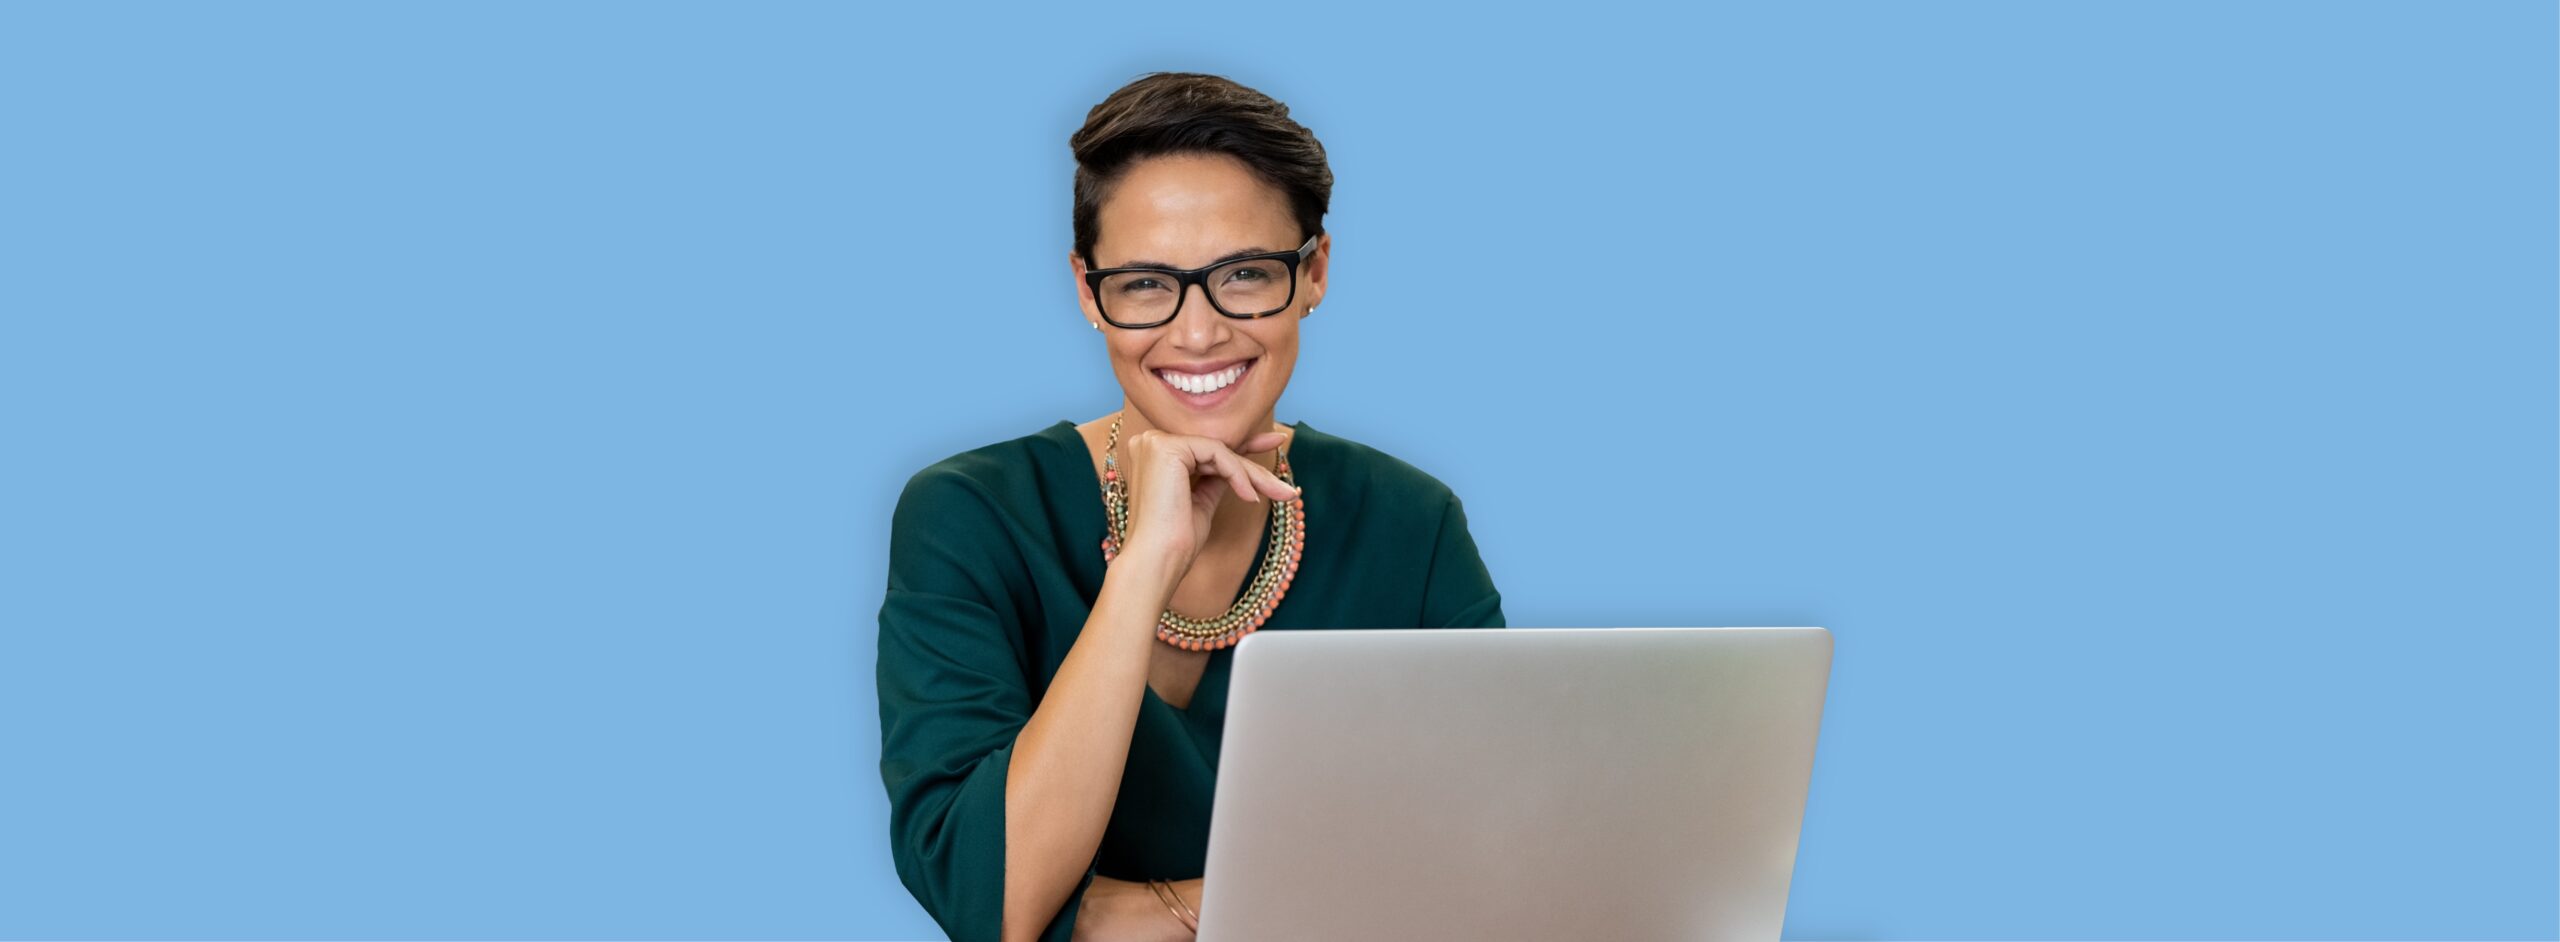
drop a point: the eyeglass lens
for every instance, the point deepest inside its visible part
(1250, 288)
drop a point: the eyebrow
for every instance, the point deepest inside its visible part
(1220, 260)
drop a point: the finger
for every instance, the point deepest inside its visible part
(1238, 471)
(1206, 489)
(1251, 481)
(1270, 479)
(1267, 482)
(1209, 457)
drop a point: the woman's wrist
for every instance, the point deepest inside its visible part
(1130, 911)
(1173, 904)
(1187, 892)
(1150, 565)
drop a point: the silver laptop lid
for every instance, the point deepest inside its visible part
(1512, 783)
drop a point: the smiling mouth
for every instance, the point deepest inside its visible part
(1206, 389)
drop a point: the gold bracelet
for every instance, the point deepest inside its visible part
(1186, 904)
(1161, 889)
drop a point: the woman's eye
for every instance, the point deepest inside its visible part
(1247, 274)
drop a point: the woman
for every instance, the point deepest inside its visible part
(1062, 607)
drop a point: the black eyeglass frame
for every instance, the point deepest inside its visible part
(1184, 279)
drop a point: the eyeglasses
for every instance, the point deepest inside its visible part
(1243, 288)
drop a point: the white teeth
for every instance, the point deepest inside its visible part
(1199, 384)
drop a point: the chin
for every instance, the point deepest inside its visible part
(1232, 425)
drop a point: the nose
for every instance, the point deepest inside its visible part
(1197, 325)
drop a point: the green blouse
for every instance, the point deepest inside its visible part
(995, 558)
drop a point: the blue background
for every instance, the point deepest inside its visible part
(446, 450)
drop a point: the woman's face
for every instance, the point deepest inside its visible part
(1189, 211)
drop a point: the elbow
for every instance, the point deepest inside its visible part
(952, 865)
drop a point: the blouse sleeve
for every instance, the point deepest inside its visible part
(1457, 591)
(953, 695)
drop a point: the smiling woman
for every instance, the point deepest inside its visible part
(1063, 606)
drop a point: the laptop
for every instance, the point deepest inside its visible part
(1512, 783)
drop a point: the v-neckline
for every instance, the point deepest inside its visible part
(1208, 697)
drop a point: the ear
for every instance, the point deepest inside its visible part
(1084, 292)
(1316, 267)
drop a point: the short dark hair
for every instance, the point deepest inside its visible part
(1189, 112)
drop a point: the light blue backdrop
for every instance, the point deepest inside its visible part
(446, 450)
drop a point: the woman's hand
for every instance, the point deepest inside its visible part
(1126, 911)
(1176, 483)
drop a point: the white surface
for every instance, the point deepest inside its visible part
(1513, 783)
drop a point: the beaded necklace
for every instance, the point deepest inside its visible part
(1288, 535)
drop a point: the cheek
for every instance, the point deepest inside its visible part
(1280, 358)
(1128, 355)
(1129, 360)
(1284, 350)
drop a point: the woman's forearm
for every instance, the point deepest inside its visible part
(1065, 771)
